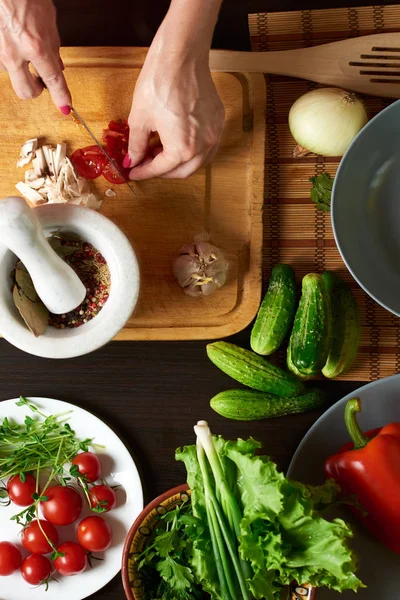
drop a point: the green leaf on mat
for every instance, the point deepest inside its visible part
(321, 191)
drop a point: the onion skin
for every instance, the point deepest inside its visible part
(325, 121)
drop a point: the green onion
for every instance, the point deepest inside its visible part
(224, 515)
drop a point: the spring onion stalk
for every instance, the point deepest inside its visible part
(225, 505)
(228, 589)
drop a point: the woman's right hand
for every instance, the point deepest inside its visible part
(28, 34)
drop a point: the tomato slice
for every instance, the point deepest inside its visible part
(112, 175)
(119, 126)
(89, 162)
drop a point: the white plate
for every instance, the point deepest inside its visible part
(118, 469)
(378, 567)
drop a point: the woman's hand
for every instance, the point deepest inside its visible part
(28, 34)
(175, 96)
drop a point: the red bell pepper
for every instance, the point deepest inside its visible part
(369, 469)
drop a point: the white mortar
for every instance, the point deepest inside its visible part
(99, 231)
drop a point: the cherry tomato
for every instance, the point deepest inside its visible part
(63, 505)
(36, 569)
(74, 560)
(102, 496)
(88, 465)
(94, 534)
(20, 492)
(10, 559)
(89, 162)
(112, 175)
(33, 539)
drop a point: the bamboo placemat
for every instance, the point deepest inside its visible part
(294, 230)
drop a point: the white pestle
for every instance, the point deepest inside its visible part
(57, 285)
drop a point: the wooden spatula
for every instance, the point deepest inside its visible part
(368, 64)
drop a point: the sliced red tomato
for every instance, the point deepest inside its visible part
(120, 126)
(89, 162)
(112, 175)
(116, 138)
(36, 569)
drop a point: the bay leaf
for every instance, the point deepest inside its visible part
(62, 250)
(35, 314)
(25, 283)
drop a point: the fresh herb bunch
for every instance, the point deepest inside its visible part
(168, 555)
(42, 444)
(321, 191)
(38, 444)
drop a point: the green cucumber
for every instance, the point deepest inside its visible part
(346, 327)
(248, 405)
(310, 340)
(276, 312)
(253, 370)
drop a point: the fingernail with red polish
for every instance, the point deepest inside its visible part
(65, 110)
(127, 163)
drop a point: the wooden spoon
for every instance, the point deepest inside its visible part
(368, 64)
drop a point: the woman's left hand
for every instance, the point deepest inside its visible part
(175, 96)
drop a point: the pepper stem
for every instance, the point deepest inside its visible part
(353, 407)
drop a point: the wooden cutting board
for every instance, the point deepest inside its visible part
(226, 198)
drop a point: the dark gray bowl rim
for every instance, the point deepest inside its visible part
(349, 151)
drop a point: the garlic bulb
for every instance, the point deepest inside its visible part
(201, 267)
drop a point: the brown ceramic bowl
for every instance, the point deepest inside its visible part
(141, 532)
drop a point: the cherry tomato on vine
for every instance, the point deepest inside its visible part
(33, 539)
(89, 466)
(63, 505)
(103, 497)
(94, 534)
(10, 559)
(20, 492)
(36, 569)
(89, 162)
(74, 560)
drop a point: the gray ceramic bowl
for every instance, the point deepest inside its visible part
(366, 208)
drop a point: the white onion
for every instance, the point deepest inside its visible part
(325, 121)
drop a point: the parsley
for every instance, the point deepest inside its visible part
(321, 191)
(169, 556)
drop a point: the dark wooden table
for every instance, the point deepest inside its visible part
(152, 394)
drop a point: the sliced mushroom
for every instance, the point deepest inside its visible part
(29, 193)
(27, 152)
(39, 163)
(60, 154)
(53, 179)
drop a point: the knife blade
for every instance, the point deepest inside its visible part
(108, 157)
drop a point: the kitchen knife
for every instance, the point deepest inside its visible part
(108, 157)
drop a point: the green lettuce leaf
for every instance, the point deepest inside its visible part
(283, 535)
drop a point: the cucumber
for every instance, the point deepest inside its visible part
(346, 327)
(253, 370)
(310, 340)
(248, 405)
(276, 312)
